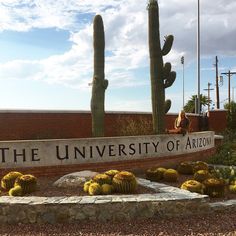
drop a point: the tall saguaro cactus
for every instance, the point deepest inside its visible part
(99, 84)
(161, 75)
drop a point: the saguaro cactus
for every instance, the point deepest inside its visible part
(99, 84)
(161, 75)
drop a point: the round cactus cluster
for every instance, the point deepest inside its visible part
(171, 175)
(155, 173)
(193, 186)
(28, 183)
(185, 168)
(110, 182)
(200, 165)
(214, 187)
(199, 177)
(8, 180)
(124, 182)
(17, 184)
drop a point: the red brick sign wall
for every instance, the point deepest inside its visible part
(25, 125)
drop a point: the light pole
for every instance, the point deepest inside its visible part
(198, 58)
(182, 62)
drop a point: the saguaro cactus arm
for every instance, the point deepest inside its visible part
(167, 44)
(167, 105)
(161, 76)
(170, 79)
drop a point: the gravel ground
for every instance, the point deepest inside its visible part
(215, 224)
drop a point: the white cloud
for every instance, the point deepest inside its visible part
(125, 24)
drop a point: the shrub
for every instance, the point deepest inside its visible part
(225, 154)
(133, 127)
(228, 174)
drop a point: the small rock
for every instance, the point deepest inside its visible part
(75, 179)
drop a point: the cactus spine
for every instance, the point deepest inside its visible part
(161, 75)
(99, 83)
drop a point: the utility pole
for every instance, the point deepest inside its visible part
(198, 58)
(217, 85)
(182, 62)
(229, 73)
(208, 94)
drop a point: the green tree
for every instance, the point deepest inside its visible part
(232, 106)
(190, 105)
(231, 115)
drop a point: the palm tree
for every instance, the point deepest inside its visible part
(190, 105)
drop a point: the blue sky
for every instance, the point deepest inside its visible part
(46, 59)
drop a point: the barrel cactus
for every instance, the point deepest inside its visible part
(214, 187)
(112, 173)
(16, 191)
(124, 182)
(232, 188)
(185, 168)
(155, 174)
(161, 75)
(200, 165)
(193, 186)
(201, 175)
(94, 189)
(86, 185)
(8, 180)
(27, 182)
(99, 84)
(102, 179)
(171, 175)
(107, 189)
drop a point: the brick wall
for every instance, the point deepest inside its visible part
(24, 125)
(217, 120)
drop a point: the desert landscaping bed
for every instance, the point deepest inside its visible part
(46, 188)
